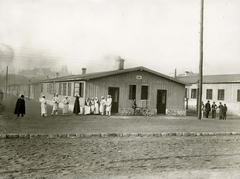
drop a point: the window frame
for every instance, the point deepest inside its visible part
(221, 98)
(194, 94)
(209, 94)
(146, 94)
(238, 95)
(69, 90)
(132, 92)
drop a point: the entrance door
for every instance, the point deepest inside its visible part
(161, 101)
(114, 92)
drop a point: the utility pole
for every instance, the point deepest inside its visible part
(200, 62)
(6, 83)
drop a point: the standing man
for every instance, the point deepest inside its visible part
(220, 110)
(20, 106)
(134, 106)
(207, 108)
(214, 108)
(108, 106)
(56, 102)
(224, 112)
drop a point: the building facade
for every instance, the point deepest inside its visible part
(217, 88)
(159, 93)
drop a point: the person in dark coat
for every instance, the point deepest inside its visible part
(207, 108)
(134, 106)
(20, 106)
(220, 111)
(224, 110)
(76, 108)
(214, 108)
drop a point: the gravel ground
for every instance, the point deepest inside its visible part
(113, 157)
(32, 123)
(148, 157)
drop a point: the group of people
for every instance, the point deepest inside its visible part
(55, 108)
(93, 106)
(208, 108)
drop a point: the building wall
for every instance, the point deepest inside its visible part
(230, 96)
(175, 91)
(99, 87)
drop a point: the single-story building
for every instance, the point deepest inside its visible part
(218, 88)
(161, 94)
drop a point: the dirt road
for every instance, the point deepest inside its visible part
(113, 157)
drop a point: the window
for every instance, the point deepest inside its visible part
(50, 88)
(209, 94)
(194, 93)
(238, 95)
(221, 94)
(144, 94)
(64, 92)
(78, 89)
(60, 88)
(69, 89)
(132, 91)
(41, 88)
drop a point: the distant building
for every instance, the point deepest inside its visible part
(64, 71)
(218, 88)
(188, 73)
(44, 73)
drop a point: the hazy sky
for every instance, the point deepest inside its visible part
(160, 34)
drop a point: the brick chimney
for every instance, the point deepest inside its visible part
(84, 70)
(121, 64)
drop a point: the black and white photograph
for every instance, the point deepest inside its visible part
(123, 89)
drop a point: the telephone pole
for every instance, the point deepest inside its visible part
(200, 62)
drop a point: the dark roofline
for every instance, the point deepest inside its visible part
(89, 76)
(213, 79)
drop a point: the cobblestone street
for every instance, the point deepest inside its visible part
(113, 157)
(136, 156)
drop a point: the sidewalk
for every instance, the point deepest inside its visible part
(33, 125)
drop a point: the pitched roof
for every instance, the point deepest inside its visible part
(212, 79)
(89, 76)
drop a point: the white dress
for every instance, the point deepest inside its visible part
(65, 106)
(96, 109)
(43, 106)
(109, 104)
(102, 106)
(56, 102)
(87, 108)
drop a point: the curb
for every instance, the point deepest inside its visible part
(104, 135)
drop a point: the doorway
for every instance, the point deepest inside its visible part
(114, 92)
(161, 101)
